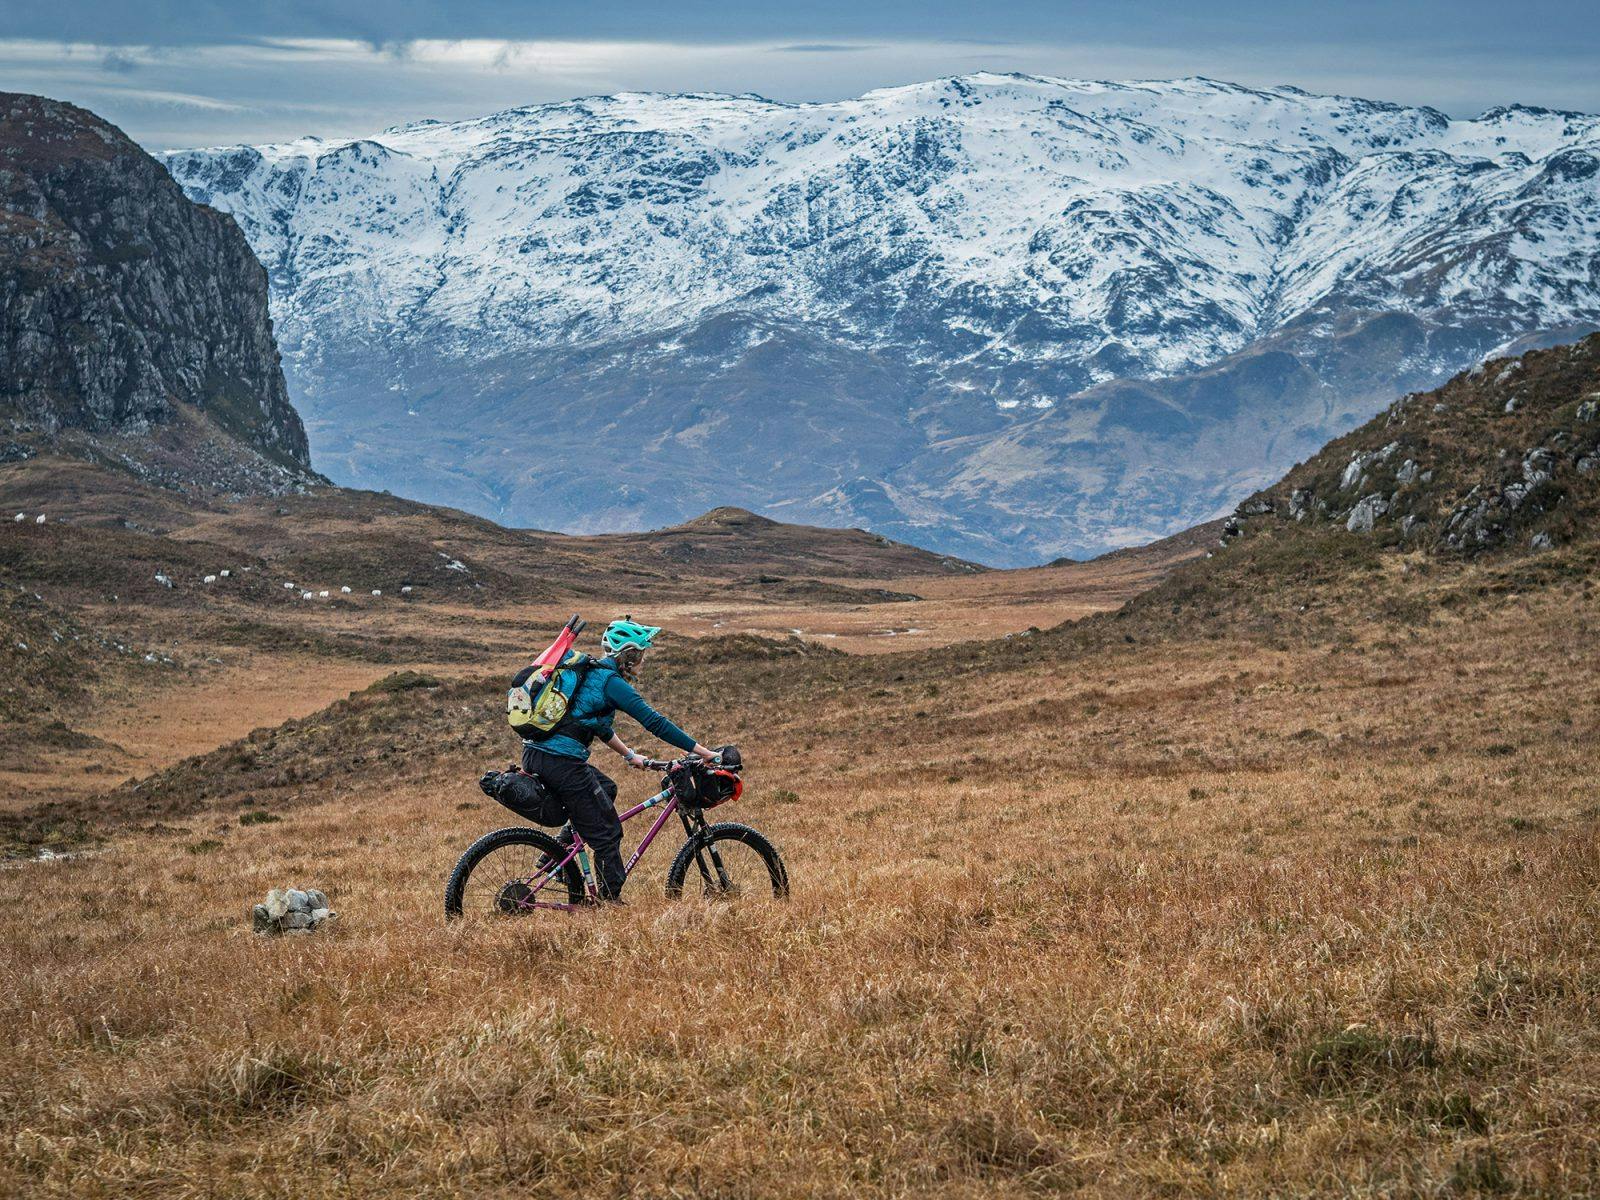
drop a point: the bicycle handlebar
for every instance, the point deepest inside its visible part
(666, 764)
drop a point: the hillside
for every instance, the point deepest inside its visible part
(134, 321)
(1003, 316)
(1504, 457)
(1279, 880)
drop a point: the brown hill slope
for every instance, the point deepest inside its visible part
(1503, 457)
(1278, 881)
(109, 531)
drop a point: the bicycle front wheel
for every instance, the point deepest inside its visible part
(725, 862)
(511, 873)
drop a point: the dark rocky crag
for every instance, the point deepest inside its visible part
(133, 322)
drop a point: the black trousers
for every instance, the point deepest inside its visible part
(590, 799)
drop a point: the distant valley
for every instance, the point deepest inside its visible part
(1003, 317)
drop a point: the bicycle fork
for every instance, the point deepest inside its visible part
(692, 829)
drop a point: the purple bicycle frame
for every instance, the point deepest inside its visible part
(666, 800)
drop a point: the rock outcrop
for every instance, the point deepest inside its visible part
(133, 322)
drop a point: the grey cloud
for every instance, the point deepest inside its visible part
(821, 48)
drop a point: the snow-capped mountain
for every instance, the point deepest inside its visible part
(1003, 316)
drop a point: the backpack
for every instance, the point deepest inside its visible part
(539, 704)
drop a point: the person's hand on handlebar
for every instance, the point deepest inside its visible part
(710, 756)
(634, 759)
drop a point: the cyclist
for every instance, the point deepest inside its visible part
(562, 759)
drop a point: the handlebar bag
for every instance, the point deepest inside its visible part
(699, 786)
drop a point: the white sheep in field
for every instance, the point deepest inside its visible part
(344, 591)
(225, 574)
(377, 592)
(39, 520)
(20, 517)
(322, 595)
(210, 579)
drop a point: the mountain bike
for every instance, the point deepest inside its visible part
(519, 871)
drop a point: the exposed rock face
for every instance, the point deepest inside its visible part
(1503, 457)
(132, 319)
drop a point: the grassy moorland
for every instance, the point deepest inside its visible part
(1123, 908)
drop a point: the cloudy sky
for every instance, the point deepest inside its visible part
(207, 72)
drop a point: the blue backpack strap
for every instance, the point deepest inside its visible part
(570, 725)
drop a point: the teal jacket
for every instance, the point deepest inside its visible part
(603, 693)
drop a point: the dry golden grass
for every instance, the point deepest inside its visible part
(1191, 917)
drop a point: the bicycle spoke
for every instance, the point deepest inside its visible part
(516, 880)
(730, 869)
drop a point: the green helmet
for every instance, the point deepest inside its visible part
(627, 632)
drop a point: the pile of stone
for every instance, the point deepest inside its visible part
(291, 910)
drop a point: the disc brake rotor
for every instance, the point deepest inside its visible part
(516, 897)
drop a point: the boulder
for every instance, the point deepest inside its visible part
(1366, 513)
(291, 910)
(1538, 465)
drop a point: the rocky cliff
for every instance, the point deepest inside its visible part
(133, 322)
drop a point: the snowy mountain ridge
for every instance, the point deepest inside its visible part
(903, 310)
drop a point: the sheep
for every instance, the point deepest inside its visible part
(210, 579)
(377, 592)
(344, 591)
(39, 520)
(322, 595)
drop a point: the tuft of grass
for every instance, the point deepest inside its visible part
(1359, 1058)
(404, 681)
(258, 817)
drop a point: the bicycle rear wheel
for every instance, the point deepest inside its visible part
(511, 873)
(725, 862)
